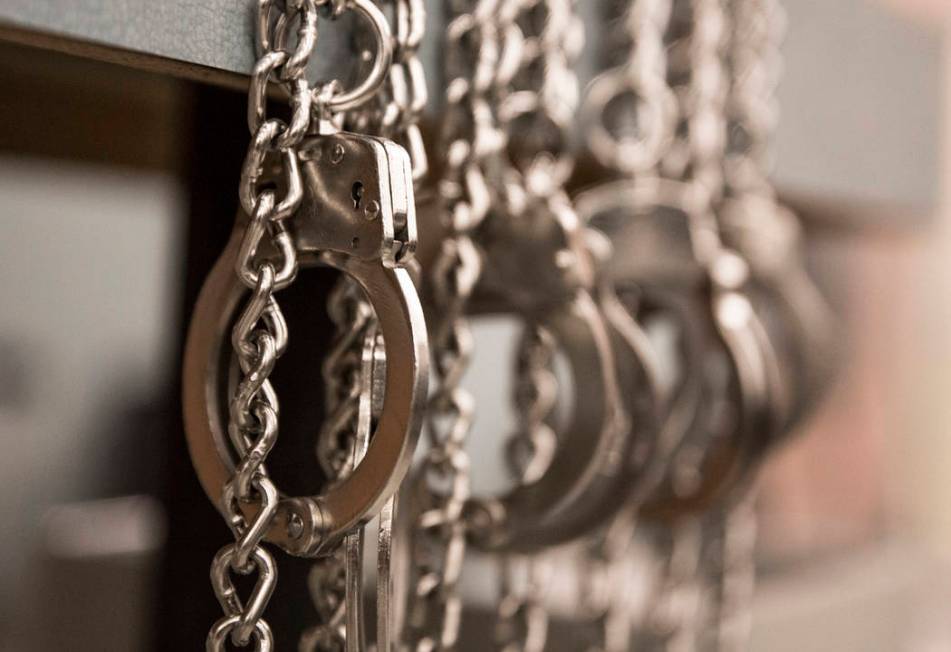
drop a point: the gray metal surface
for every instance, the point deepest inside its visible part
(860, 97)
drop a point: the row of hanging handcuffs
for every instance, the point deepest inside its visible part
(354, 210)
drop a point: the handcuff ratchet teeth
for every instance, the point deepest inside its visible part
(357, 216)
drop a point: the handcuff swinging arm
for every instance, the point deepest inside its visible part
(358, 234)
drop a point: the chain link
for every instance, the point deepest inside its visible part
(756, 63)
(606, 584)
(259, 337)
(522, 621)
(630, 112)
(470, 136)
(730, 573)
(349, 386)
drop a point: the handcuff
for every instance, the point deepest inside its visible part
(726, 356)
(795, 312)
(357, 216)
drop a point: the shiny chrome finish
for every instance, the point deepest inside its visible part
(311, 525)
(718, 323)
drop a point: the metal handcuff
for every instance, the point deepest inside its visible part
(540, 264)
(727, 358)
(795, 312)
(357, 215)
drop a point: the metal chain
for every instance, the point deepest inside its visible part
(402, 100)
(394, 114)
(259, 336)
(756, 62)
(341, 444)
(606, 584)
(470, 136)
(537, 115)
(531, 448)
(698, 76)
(673, 618)
(636, 89)
(630, 111)
(522, 621)
(730, 571)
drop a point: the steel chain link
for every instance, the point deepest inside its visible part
(347, 381)
(522, 620)
(753, 55)
(394, 114)
(537, 114)
(259, 336)
(634, 98)
(630, 111)
(470, 136)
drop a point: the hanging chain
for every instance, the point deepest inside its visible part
(470, 136)
(532, 447)
(731, 574)
(630, 111)
(522, 620)
(606, 584)
(630, 114)
(754, 58)
(537, 114)
(697, 74)
(522, 624)
(259, 336)
(673, 617)
(341, 444)
(395, 115)
(698, 77)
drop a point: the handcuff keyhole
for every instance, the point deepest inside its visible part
(356, 193)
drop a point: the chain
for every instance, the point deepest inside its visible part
(539, 111)
(755, 59)
(673, 618)
(522, 624)
(522, 620)
(470, 136)
(341, 444)
(531, 448)
(630, 114)
(698, 76)
(395, 115)
(630, 111)
(537, 115)
(731, 573)
(259, 336)
(606, 583)
(402, 100)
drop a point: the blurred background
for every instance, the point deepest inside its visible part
(117, 190)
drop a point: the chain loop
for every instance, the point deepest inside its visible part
(470, 135)
(259, 336)
(630, 112)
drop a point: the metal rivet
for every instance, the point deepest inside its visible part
(295, 526)
(336, 155)
(372, 210)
